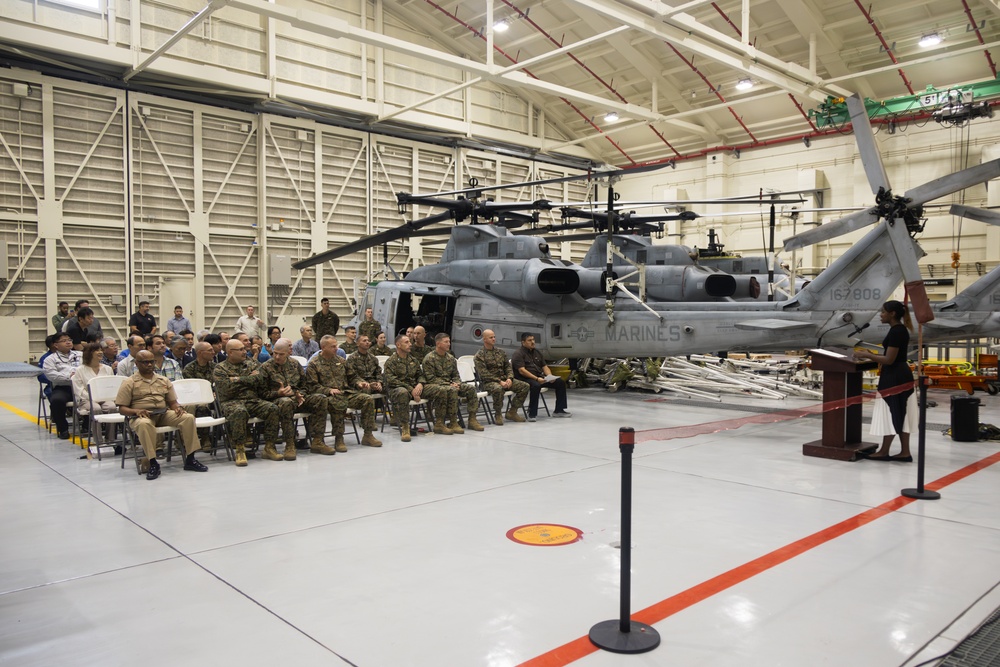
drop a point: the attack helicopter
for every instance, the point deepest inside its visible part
(972, 313)
(491, 278)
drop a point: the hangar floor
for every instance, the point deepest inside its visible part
(745, 552)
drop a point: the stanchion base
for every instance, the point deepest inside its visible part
(608, 636)
(921, 495)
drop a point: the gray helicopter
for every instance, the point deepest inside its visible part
(490, 278)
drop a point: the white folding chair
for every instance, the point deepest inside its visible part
(195, 392)
(102, 389)
(467, 373)
(302, 360)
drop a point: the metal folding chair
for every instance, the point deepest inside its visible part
(99, 390)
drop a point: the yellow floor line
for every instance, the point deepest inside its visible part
(80, 442)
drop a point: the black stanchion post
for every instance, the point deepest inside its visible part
(625, 635)
(920, 492)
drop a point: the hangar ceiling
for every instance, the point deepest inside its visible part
(668, 71)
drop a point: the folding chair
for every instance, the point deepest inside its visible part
(196, 392)
(43, 403)
(99, 390)
(467, 374)
(418, 409)
(131, 441)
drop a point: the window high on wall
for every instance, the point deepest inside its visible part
(93, 5)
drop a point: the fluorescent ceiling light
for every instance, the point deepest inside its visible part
(744, 84)
(611, 116)
(929, 40)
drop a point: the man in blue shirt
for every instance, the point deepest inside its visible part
(178, 323)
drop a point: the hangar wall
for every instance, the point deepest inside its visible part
(114, 196)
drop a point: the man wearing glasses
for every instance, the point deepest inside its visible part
(150, 401)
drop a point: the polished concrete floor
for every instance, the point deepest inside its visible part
(744, 552)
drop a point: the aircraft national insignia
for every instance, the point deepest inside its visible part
(582, 334)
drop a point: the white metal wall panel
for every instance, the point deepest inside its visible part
(163, 163)
(229, 171)
(21, 148)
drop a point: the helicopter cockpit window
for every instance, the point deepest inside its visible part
(493, 250)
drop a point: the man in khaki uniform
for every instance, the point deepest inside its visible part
(150, 400)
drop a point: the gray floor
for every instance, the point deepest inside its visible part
(745, 552)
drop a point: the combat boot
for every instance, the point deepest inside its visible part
(339, 443)
(405, 433)
(440, 428)
(241, 456)
(289, 451)
(320, 447)
(206, 444)
(498, 418)
(271, 452)
(513, 416)
(474, 423)
(369, 440)
(454, 425)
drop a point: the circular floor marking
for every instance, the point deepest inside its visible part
(545, 535)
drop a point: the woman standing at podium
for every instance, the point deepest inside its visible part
(897, 412)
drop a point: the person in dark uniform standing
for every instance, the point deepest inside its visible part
(893, 414)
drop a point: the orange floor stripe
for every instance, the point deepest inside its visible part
(582, 647)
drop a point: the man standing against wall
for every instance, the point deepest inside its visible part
(142, 322)
(178, 323)
(61, 316)
(250, 324)
(325, 322)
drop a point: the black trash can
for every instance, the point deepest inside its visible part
(964, 418)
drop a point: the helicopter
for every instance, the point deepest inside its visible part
(491, 278)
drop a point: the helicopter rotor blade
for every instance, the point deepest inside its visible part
(946, 185)
(587, 176)
(848, 223)
(906, 254)
(387, 236)
(973, 213)
(871, 159)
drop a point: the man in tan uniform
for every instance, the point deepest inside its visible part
(151, 402)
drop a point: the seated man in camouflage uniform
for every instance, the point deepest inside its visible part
(237, 384)
(497, 377)
(418, 348)
(365, 376)
(326, 375)
(350, 345)
(201, 369)
(403, 382)
(284, 385)
(444, 386)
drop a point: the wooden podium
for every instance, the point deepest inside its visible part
(841, 427)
